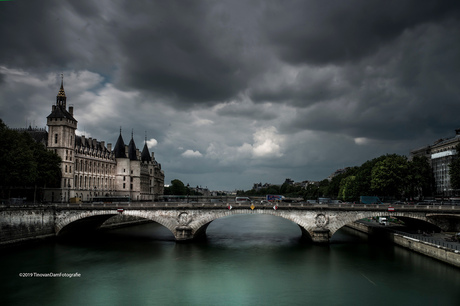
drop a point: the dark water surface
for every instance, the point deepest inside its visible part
(246, 260)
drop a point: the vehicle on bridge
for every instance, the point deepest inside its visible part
(273, 198)
(383, 221)
(243, 200)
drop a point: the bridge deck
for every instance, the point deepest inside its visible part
(214, 206)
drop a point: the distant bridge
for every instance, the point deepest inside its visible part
(318, 222)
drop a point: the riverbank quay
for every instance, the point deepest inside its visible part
(434, 246)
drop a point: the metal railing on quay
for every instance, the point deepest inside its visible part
(430, 239)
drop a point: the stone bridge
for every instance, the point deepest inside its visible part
(189, 221)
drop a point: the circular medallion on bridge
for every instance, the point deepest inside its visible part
(321, 220)
(184, 219)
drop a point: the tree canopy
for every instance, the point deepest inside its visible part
(388, 176)
(25, 163)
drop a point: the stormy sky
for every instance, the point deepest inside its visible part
(231, 93)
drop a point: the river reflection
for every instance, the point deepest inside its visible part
(245, 260)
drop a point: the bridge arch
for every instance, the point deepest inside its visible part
(86, 221)
(200, 225)
(349, 218)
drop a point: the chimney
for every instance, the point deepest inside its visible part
(71, 109)
(109, 147)
(83, 144)
(103, 144)
(53, 108)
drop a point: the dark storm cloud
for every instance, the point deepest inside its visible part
(51, 34)
(323, 32)
(231, 86)
(192, 52)
(32, 42)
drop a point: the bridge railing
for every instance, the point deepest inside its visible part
(222, 205)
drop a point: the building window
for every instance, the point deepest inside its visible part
(55, 138)
(124, 185)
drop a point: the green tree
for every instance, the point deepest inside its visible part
(177, 188)
(389, 176)
(48, 166)
(311, 192)
(334, 186)
(18, 167)
(25, 163)
(348, 189)
(420, 178)
(323, 188)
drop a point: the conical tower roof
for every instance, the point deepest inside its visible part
(145, 156)
(119, 149)
(132, 149)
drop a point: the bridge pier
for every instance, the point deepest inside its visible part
(321, 235)
(183, 233)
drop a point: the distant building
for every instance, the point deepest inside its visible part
(89, 168)
(440, 155)
(259, 186)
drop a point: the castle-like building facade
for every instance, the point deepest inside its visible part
(90, 169)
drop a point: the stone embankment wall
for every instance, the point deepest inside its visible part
(24, 224)
(28, 223)
(446, 255)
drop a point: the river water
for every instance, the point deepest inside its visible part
(246, 260)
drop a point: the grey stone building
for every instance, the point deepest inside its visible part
(440, 154)
(91, 169)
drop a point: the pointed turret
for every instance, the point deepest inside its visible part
(132, 148)
(145, 156)
(61, 97)
(119, 149)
